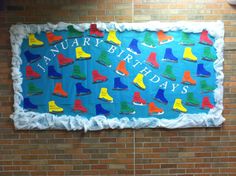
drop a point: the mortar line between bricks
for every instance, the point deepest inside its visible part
(134, 158)
(134, 133)
(230, 49)
(132, 11)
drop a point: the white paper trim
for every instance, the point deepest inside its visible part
(31, 120)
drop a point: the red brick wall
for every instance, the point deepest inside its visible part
(203, 151)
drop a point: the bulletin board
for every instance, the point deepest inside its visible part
(95, 76)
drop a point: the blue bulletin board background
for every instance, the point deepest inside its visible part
(116, 53)
(88, 65)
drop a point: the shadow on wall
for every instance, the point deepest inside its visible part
(2, 4)
(232, 2)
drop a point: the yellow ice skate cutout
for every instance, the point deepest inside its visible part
(81, 54)
(188, 55)
(138, 81)
(178, 106)
(53, 108)
(34, 42)
(112, 38)
(103, 95)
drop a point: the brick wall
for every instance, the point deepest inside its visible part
(189, 152)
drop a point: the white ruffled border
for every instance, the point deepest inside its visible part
(32, 120)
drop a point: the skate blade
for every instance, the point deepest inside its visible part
(36, 46)
(83, 94)
(138, 104)
(160, 101)
(205, 76)
(188, 83)
(107, 114)
(120, 73)
(106, 100)
(103, 63)
(139, 86)
(35, 60)
(132, 51)
(206, 107)
(100, 81)
(53, 43)
(168, 60)
(79, 111)
(96, 36)
(113, 43)
(32, 94)
(119, 89)
(74, 36)
(208, 59)
(31, 78)
(205, 43)
(75, 77)
(63, 65)
(169, 78)
(191, 104)
(190, 60)
(54, 77)
(167, 41)
(177, 110)
(59, 95)
(83, 58)
(156, 113)
(149, 46)
(128, 113)
(55, 112)
(30, 109)
(152, 65)
(186, 44)
(202, 92)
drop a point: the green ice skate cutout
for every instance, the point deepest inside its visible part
(73, 33)
(168, 73)
(33, 90)
(191, 100)
(207, 55)
(103, 59)
(125, 108)
(148, 41)
(186, 40)
(77, 74)
(205, 87)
